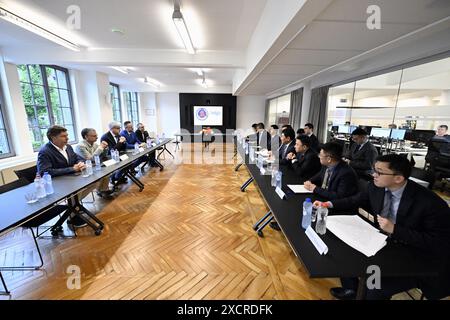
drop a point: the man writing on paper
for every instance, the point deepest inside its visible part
(411, 215)
(305, 161)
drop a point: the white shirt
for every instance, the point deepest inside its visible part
(114, 136)
(63, 151)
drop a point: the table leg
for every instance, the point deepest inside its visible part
(246, 184)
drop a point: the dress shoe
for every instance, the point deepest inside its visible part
(105, 194)
(76, 222)
(275, 226)
(343, 294)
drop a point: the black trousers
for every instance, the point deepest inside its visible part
(389, 287)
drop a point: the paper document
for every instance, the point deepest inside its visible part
(316, 241)
(298, 188)
(357, 233)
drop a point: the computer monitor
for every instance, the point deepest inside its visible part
(344, 129)
(422, 136)
(352, 128)
(380, 132)
(398, 134)
(335, 129)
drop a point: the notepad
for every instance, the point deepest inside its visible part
(298, 188)
(357, 233)
(316, 241)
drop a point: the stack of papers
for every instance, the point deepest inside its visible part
(298, 188)
(357, 233)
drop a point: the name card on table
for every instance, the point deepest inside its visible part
(109, 163)
(124, 157)
(280, 193)
(320, 246)
(141, 149)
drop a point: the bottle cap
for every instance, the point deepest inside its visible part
(308, 199)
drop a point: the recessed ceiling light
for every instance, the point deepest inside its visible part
(118, 31)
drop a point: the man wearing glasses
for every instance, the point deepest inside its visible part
(411, 215)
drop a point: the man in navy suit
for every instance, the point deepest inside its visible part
(336, 179)
(305, 161)
(115, 142)
(287, 146)
(58, 158)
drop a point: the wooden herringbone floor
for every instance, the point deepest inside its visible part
(188, 235)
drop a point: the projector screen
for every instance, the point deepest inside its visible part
(207, 116)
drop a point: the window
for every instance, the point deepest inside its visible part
(132, 107)
(279, 109)
(5, 149)
(48, 101)
(115, 102)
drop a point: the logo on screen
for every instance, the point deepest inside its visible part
(202, 114)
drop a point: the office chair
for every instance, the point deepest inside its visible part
(35, 222)
(425, 175)
(441, 169)
(28, 173)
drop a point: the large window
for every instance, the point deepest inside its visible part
(132, 107)
(279, 110)
(115, 102)
(5, 149)
(48, 101)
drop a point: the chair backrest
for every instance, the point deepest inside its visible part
(13, 185)
(28, 174)
(424, 175)
(362, 184)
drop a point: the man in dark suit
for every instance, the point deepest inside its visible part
(336, 179)
(263, 138)
(58, 158)
(142, 136)
(115, 142)
(362, 154)
(309, 131)
(411, 215)
(305, 161)
(438, 145)
(287, 145)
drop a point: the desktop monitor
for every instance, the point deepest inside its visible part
(380, 132)
(335, 129)
(352, 128)
(344, 129)
(422, 136)
(398, 134)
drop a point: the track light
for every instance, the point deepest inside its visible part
(182, 29)
(152, 82)
(32, 27)
(122, 69)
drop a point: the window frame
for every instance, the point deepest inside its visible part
(129, 102)
(116, 86)
(4, 117)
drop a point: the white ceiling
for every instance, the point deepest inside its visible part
(223, 32)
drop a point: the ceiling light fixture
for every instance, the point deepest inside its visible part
(182, 29)
(200, 72)
(122, 69)
(32, 27)
(204, 84)
(152, 82)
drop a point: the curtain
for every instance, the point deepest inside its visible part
(266, 115)
(296, 108)
(318, 111)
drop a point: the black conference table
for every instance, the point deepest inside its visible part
(394, 260)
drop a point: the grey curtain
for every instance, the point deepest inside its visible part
(266, 115)
(318, 111)
(295, 112)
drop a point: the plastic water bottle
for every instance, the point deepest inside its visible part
(98, 164)
(136, 148)
(322, 214)
(307, 210)
(89, 167)
(114, 155)
(273, 182)
(149, 142)
(246, 148)
(163, 136)
(278, 177)
(40, 187)
(48, 184)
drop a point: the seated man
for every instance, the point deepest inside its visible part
(437, 145)
(275, 140)
(287, 145)
(263, 139)
(336, 179)
(115, 142)
(309, 131)
(410, 214)
(58, 158)
(305, 161)
(131, 140)
(88, 149)
(142, 136)
(362, 154)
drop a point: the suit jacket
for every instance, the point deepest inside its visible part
(307, 165)
(141, 136)
(266, 140)
(130, 137)
(342, 183)
(112, 145)
(423, 222)
(290, 148)
(52, 161)
(362, 160)
(314, 142)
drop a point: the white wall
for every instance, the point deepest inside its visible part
(249, 110)
(168, 113)
(147, 108)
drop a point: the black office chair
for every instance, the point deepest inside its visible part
(35, 222)
(442, 169)
(177, 142)
(28, 173)
(425, 175)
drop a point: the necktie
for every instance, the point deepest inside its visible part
(284, 151)
(117, 138)
(388, 206)
(326, 178)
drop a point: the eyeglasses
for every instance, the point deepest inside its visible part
(378, 173)
(323, 156)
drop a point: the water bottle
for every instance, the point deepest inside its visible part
(278, 177)
(136, 148)
(48, 184)
(89, 167)
(321, 224)
(149, 142)
(114, 155)
(163, 136)
(246, 148)
(40, 187)
(274, 177)
(98, 164)
(307, 210)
